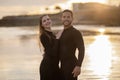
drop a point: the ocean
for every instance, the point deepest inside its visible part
(20, 54)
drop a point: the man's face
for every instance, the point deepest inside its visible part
(67, 19)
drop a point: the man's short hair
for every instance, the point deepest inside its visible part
(67, 10)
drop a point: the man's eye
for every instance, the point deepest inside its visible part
(68, 17)
(63, 16)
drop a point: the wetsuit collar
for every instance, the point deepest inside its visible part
(68, 28)
(48, 31)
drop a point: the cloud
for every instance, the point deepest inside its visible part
(17, 7)
(18, 10)
(29, 2)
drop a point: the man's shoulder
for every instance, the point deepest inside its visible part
(76, 30)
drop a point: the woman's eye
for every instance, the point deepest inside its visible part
(44, 21)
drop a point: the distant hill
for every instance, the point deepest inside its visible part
(96, 13)
(27, 20)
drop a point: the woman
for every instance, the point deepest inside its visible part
(49, 69)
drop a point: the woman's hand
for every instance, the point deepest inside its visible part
(58, 35)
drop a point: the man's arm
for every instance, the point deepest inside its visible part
(81, 48)
(80, 45)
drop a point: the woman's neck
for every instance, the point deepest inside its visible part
(48, 29)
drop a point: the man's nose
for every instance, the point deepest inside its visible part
(66, 18)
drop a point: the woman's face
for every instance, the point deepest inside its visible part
(46, 22)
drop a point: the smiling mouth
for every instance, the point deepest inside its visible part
(66, 21)
(48, 23)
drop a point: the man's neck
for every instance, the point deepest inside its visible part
(66, 27)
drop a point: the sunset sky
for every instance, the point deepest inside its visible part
(25, 7)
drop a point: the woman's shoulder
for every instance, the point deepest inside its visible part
(43, 35)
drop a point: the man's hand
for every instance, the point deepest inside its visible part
(76, 71)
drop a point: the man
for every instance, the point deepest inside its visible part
(70, 40)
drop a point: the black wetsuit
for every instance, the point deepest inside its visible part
(69, 41)
(49, 69)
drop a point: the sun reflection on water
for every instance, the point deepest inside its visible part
(100, 55)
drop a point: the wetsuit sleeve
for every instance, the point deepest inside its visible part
(46, 42)
(55, 48)
(50, 45)
(81, 49)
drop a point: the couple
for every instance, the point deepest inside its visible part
(61, 48)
